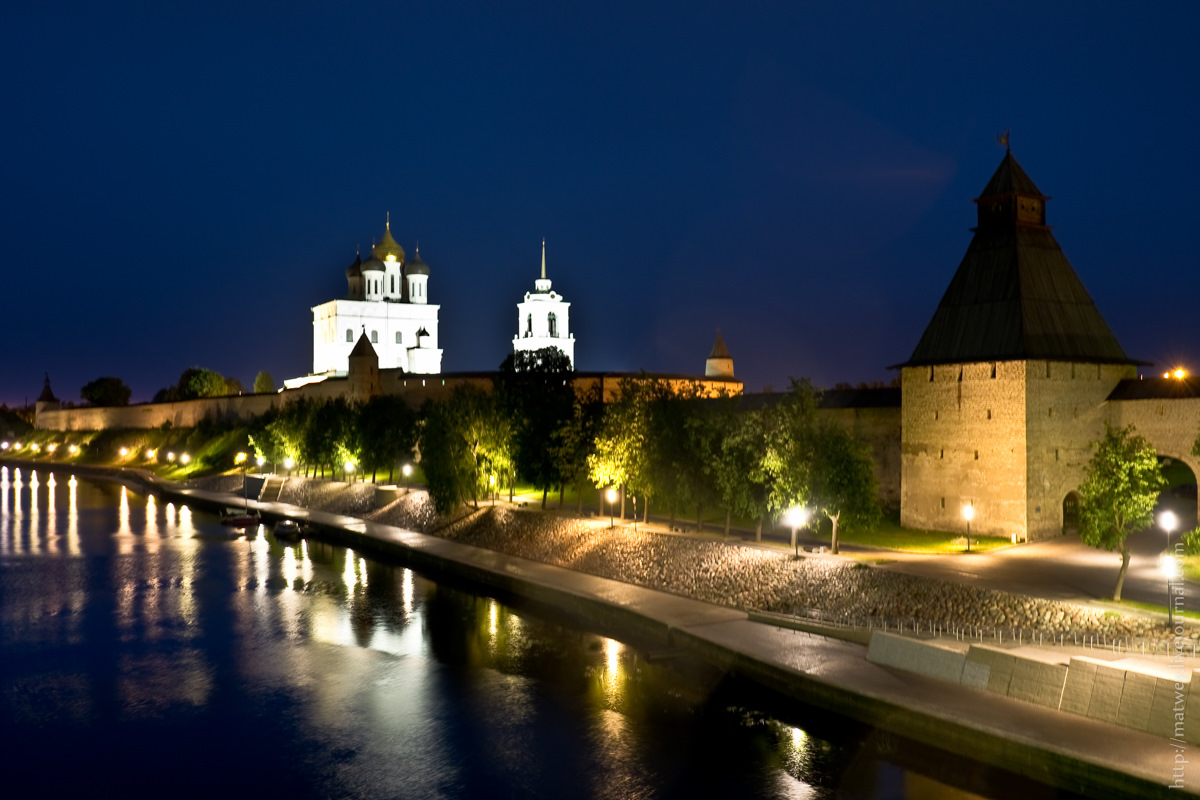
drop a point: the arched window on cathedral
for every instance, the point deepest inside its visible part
(552, 321)
(528, 325)
(349, 335)
(374, 337)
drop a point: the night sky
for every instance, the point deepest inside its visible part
(182, 184)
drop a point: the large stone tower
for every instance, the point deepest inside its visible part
(1005, 391)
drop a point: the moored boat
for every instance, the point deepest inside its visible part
(240, 517)
(288, 530)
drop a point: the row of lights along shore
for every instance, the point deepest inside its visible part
(73, 449)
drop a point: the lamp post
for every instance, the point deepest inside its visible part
(406, 470)
(968, 513)
(349, 472)
(288, 463)
(796, 517)
(1168, 522)
(611, 496)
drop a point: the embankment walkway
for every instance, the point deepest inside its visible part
(1053, 747)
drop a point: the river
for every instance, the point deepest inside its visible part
(146, 651)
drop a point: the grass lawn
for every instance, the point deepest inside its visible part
(888, 534)
(1130, 604)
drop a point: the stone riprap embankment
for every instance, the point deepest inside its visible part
(731, 574)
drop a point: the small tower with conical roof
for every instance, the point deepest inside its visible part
(719, 363)
(363, 372)
(543, 318)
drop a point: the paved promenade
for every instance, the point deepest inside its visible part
(1057, 748)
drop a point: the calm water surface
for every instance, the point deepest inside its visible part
(146, 651)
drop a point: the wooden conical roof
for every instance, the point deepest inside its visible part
(1015, 296)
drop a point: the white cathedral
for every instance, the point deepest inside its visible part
(542, 319)
(387, 301)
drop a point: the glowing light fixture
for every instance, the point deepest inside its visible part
(50, 448)
(170, 455)
(1179, 373)
(124, 452)
(968, 512)
(239, 458)
(73, 449)
(1170, 566)
(184, 458)
(796, 517)
(611, 496)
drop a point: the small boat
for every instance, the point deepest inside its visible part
(240, 517)
(288, 530)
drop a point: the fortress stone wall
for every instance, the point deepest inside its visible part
(879, 427)
(1067, 409)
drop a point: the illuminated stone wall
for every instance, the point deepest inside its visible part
(963, 441)
(879, 428)
(1011, 438)
(1066, 411)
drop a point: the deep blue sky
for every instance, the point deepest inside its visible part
(181, 185)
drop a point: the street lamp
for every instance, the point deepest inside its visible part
(796, 517)
(968, 515)
(407, 472)
(288, 463)
(611, 496)
(349, 471)
(1169, 522)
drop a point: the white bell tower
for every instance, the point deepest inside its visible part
(542, 319)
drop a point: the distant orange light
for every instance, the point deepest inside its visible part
(1178, 373)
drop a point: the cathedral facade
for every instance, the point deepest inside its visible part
(387, 300)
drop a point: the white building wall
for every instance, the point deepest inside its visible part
(391, 328)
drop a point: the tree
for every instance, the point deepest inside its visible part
(197, 382)
(536, 392)
(465, 442)
(106, 392)
(575, 438)
(842, 481)
(388, 433)
(620, 455)
(1119, 493)
(264, 383)
(330, 436)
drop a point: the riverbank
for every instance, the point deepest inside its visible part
(731, 574)
(1056, 748)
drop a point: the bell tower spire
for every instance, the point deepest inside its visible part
(543, 258)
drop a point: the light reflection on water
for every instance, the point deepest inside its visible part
(138, 622)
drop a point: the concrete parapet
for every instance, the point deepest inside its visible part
(1077, 690)
(1000, 664)
(1170, 699)
(915, 655)
(1137, 696)
(1191, 719)
(1038, 682)
(1107, 686)
(976, 674)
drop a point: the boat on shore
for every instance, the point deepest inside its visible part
(240, 517)
(288, 530)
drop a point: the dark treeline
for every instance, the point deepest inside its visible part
(661, 444)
